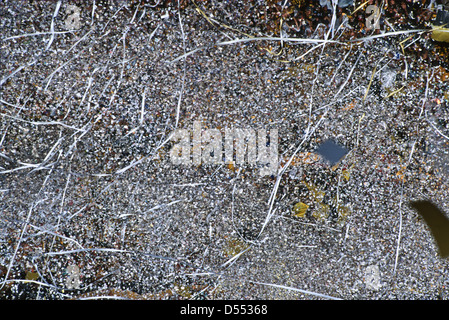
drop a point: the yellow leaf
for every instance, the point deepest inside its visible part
(234, 247)
(345, 174)
(315, 192)
(299, 209)
(440, 34)
(31, 276)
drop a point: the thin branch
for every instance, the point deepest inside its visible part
(295, 289)
(52, 25)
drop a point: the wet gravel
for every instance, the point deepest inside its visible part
(86, 177)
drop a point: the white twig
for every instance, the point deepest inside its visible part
(12, 105)
(52, 26)
(134, 163)
(436, 129)
(43, 123)
(17, 70)
(142, 108)
(94, 6)
(113, 16)
(37, 34)
(43, 231)
(389, 34)
(76, 43)
(25, 225)
(159, 206)
(399, 232)
(234, 258)
(35, 282)
(188, 184)
(178, 108)
(349, 76)
(281, 171)
(224, 43)
(295, 289)
(50, 77)
(58, 253)
(339, 66)
(104, 297)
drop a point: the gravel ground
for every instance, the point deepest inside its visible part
(92, 91)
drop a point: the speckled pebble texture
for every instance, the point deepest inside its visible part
(92, 205)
